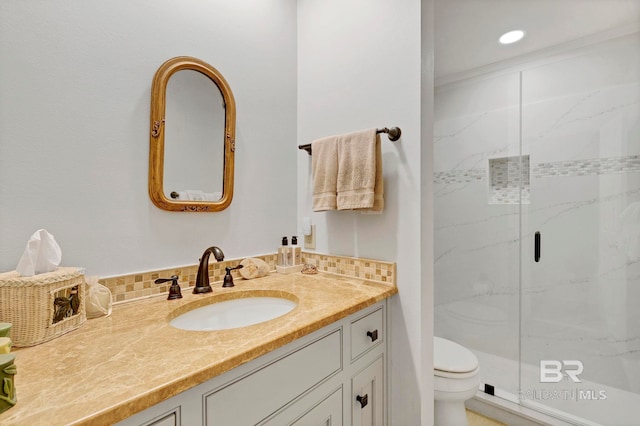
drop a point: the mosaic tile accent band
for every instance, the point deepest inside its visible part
(459, 176)
(375, 270)
(598, 166)
(135, 286)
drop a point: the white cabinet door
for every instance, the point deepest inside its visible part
(367, 397)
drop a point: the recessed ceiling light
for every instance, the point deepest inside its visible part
(511, 37)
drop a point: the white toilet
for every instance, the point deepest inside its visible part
(455, 379)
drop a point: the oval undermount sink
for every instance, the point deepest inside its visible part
(233, 313)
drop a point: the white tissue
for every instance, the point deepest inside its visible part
(42, 255)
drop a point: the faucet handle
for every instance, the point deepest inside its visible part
(174, 290)
(228, 278)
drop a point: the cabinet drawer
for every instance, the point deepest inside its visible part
(254, 397)
(366, 333)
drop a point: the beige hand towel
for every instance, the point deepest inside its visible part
(324, 165)
(360, 185)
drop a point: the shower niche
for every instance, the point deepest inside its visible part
(509, 180)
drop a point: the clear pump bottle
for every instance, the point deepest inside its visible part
(296, 252)
(284, 253)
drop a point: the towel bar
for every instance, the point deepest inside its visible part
(394, 134)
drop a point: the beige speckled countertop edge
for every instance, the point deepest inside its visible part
(323, 299)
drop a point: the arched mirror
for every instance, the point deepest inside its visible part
(192, 141)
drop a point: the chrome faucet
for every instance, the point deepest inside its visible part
(202, 280)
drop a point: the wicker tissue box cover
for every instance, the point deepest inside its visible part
(44, 306)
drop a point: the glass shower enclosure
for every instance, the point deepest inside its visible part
(537, 229)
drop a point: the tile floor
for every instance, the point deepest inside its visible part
(476, 419)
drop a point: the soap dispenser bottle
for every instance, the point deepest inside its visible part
(283, 253)
(295, 252)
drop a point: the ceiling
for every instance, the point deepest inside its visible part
(467, 31)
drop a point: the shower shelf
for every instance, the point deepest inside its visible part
(505, 178)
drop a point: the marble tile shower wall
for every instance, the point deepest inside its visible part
(584, 152)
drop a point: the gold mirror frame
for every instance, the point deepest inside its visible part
(156, 139)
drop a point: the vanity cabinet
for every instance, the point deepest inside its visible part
(333, 376)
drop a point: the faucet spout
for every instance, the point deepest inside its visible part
(202, 280)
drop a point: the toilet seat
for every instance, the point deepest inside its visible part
(452, 360)
(456, 376)
(449, 375)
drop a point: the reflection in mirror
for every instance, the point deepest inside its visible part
(194, 137)
(192, 142)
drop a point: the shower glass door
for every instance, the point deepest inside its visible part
(477, 223)
(580, 315)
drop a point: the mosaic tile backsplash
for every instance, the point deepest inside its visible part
(375, 270)
(135, 286)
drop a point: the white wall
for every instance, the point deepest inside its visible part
(75, 81)
(359, 67)
(427, 233)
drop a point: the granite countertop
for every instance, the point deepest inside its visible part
(113, 367)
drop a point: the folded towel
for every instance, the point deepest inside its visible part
(198, 195)
(324, 165)
(195, 195)
(212, 196)
(359, 184)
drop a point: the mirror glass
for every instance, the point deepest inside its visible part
(192, 141)
(194, 138)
